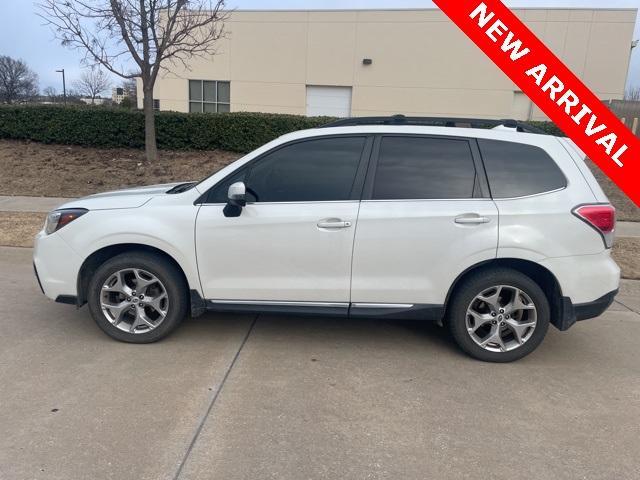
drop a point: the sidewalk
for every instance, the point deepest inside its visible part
(46, 204)
(30, 204)
(628, 229)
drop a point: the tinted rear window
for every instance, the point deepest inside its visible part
(517, 170)
(424, 168)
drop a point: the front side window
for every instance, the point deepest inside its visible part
(519, 170)
(209, 96)
(310, 171)
(219, 193)
(424, 168)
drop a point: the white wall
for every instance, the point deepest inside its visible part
(422, 63)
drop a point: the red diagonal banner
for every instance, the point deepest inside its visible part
(552, 87)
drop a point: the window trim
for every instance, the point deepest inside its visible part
(481, 190)
(504, 199)
(203, 101)
(356, 188)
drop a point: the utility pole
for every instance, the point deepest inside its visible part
(64, 86)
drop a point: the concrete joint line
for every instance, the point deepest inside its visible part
(628, 308)
(623, 305)
(212, 401)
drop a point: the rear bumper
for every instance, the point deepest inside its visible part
(588, 285)
(585, 311)
(585, 278)
(571, 313)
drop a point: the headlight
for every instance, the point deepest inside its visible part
(59, 218)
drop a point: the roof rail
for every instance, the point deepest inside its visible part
(434, 122)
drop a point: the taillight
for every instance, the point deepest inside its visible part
(600, 217)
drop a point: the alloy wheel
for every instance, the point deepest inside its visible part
(501, 318)
(134, 300)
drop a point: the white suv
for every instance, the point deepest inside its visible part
(495, 232)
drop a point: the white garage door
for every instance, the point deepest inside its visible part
(328, 101)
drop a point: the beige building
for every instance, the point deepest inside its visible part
(383, 62)
(117, 95)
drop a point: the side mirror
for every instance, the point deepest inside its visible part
(237, 199)
(237, 194)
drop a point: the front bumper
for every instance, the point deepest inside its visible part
(35, 270)
(56, 266)
(571, 313)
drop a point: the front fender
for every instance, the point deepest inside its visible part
(169, 229)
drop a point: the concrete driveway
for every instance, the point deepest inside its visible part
(238, 397)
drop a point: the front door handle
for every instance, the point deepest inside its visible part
(471, 219)
(333, 223)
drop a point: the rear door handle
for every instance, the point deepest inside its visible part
(471, 219)
(333, 223)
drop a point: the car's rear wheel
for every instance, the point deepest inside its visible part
(498, 315)
(138, 297)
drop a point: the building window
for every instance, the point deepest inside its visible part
(209, 96)
(156, 104)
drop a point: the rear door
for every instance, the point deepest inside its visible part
(425, 217)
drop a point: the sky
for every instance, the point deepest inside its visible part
(23, 35)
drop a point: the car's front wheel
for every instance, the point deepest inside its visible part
(138, 297)
(498, 315)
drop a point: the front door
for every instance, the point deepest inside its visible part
(425, 217)
(292, 243)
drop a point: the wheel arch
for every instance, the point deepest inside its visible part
(97, 258)
(545, 279)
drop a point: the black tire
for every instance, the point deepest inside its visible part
(477, 283)
(165, 271)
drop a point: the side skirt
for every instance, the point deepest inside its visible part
(355, 310)
(420, 311)
(280, 308)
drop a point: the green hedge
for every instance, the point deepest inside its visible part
(548, 127)
(114, 127)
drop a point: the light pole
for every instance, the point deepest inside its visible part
(64, 86)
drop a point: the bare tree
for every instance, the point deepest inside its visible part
(130, 88)
(74, 97)
(51, 93)
(17, 80)
(150, 34)
(633, 93)
(92, 83)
